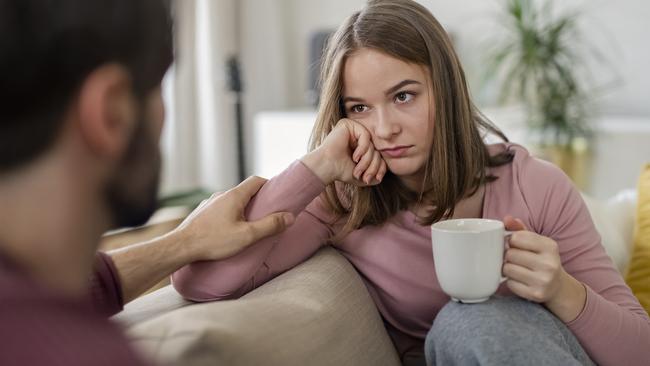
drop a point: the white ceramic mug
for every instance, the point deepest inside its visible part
(468, 256)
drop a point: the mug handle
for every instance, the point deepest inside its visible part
(506, 235)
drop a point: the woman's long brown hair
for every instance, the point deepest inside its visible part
(458, 158)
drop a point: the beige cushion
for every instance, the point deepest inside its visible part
(319, 313)
(151, 305)
(614, 220)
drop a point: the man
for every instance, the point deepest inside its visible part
(81, 115)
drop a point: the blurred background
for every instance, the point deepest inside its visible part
(241, 95)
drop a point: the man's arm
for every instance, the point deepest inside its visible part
(215, 230)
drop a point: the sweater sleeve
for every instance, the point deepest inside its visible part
(105, 287)
(612, 327)
(294, 190)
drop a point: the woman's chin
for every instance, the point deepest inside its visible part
(403, 170)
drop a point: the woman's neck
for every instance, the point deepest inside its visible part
(472, 206)
(468, 207)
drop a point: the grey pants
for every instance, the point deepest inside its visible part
(501, 331)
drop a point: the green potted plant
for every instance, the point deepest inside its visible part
(540, 61)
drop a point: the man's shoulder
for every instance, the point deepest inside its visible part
(38, 328)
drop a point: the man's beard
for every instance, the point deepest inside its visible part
(132, 193)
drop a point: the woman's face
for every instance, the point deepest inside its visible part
(391, 99)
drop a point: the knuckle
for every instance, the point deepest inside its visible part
(235, 193)
(254, 180)
(278, 222)
(555, 267)
(515, 237)
(363, 133)
(544, 266)
(537, 295)
(525, 235)
(550, 266)
(509, 255)
(213, 197)
(248, 234)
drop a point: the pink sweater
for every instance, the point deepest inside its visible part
(396, 262)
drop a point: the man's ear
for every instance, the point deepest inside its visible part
(107, 110)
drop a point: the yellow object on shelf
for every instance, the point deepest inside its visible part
(638, 274)
(574, 159)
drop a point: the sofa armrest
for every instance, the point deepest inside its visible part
(319, 313)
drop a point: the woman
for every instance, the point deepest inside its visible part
(398, 145)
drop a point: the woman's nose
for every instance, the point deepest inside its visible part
(385, 125)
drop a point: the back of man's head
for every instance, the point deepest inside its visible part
(48, 48)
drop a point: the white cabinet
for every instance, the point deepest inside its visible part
(279, 138)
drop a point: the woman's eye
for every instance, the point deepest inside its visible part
(359, 108)
(403, 97)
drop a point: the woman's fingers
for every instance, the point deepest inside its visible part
(360, 140)
(371, 173)
(383, 168)
(520, 289)
(528, 240)
(369, 167)
(363, 164)
(519, 273)
(522, 257)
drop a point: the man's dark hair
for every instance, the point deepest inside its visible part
(49, 47)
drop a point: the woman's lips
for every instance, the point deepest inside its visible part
(396, 152)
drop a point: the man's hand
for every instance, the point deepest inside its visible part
(217, 228)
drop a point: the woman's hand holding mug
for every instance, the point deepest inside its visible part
(535, 272)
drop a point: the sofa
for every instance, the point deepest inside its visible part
(318, 313)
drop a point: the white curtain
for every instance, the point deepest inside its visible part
(199, 143)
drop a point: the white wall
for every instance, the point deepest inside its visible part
(618, 29)
(625, 39)
(198, 142)
(304, 18)
(277, 35)
(264, 53)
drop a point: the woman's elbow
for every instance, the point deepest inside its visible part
(197, 286)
